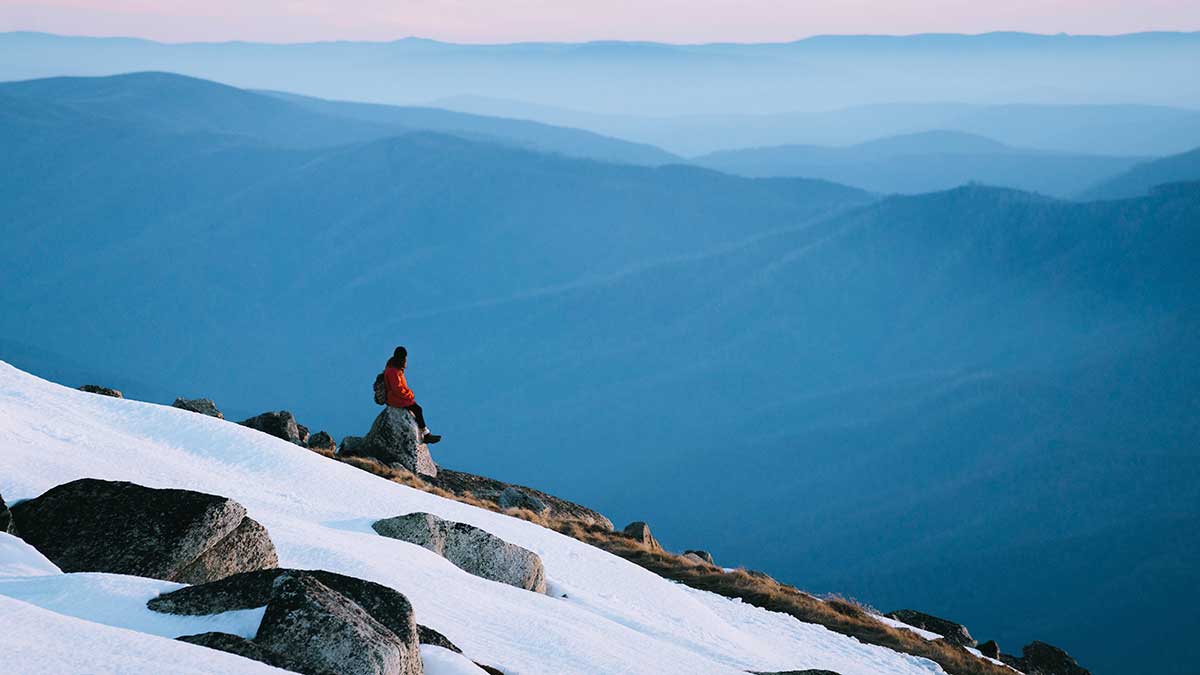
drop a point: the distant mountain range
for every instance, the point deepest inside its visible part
(821, 73)
(170, 103)
(1120, 130)
(948, 399)
(1143, 178)
(925, 162)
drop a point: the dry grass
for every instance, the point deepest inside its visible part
(839, 614)
(835, 613)
(412, 480)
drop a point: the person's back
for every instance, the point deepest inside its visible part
(400, 395)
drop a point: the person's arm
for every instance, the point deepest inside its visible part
(404, 389)
(398, 384)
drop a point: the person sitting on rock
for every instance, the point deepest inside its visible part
(400, 396)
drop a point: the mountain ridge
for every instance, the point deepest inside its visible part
(924, 162)
(295, 121)
(599, 77)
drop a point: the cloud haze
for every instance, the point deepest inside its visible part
(576, 20)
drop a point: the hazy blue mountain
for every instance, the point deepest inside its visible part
(821, 73)
(1122, 130)
(944, 401)
(1142, 178)
(531, 135)
(924, 162)
(167, 102)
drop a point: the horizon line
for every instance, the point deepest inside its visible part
(561, 43)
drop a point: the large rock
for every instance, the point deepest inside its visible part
(490, 489)
(280, 424)
(247, 547)
(954, 633)
(234, 644)
(314, 630)
(989, 649)
(253, 589)
(395, 440)
(471, 549)
(204, 406)
(103, 391)
(322, 441)
(702, 556)
(1039, 658)
(5, 516)
(302, 434)
(351, 446)
(640, 532)
(513, 498)
(91, 525)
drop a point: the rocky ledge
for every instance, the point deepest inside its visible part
(503, 495)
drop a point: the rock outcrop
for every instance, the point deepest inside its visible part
(234, 644)
(204, 406)
(5, 517)
(514, 498)
(394, 440)
(103, 391)
(350, 447)
(314, 630)
(1039, 658)
(794, 672)
(989, 649)
(301, 434)
(702, 556)
(640, 532)
(481, 487)
(322, 441)
(469, 548)
(91, 525)
(954, 633)
(280, 424)
(430, 636)
(314, 619)
(247, 547)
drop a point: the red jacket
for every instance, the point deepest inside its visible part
(398, 393)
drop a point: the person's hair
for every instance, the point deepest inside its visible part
(399, 358)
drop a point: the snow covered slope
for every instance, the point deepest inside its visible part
(602, 614)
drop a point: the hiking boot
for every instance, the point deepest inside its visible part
(430, 439)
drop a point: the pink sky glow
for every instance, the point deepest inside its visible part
(682, 21)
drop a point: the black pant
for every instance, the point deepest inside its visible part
(417, 413)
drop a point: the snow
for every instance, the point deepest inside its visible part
(997, 662)
(119, 600)
(37, 641)
(18, 559)
(442, 661)
(896, 623)
(616, 618)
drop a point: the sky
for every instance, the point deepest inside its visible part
(679, 21)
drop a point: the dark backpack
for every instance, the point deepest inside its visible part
(380, 390)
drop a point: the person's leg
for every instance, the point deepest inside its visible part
(420, 417)
(419, 414)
